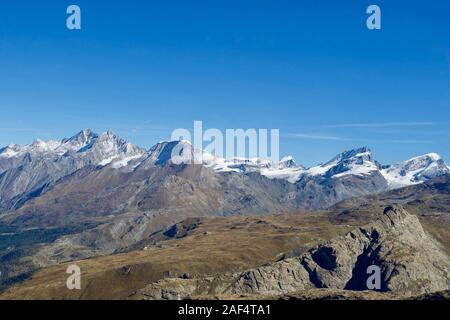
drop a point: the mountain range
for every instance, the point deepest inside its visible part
(93, 195)
(29, 171)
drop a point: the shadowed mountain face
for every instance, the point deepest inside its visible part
(92, 194)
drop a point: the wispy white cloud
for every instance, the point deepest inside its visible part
(18, 129)
(315, 136)
(382, 124)
(356, 139)
(412, 141)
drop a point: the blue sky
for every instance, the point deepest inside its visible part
(310, 68)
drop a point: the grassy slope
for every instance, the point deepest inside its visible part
(217, 245)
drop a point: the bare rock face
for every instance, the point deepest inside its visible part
(170, 289)
(411, 263)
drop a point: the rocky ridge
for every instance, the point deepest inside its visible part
(411, 263)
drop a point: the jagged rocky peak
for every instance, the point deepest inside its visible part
(357, 156)
(110, 142)
(288, 162)
(86, 147)
(81, 139)
(109, 148)
(10, 151)
(108, 135)
(41, 147)
(358, 162)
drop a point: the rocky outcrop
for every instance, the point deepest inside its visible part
(409, 260)
(411, 263)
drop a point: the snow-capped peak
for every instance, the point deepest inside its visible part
(429, 157)
(183, 152)
(86, 146)
(42, 146)
(415, 170)
(288, 162)
(10, 151)
(108, 148)
(79, 141)
(285, 169)
(356, 162)
(355, 155)
(177, 152)
(36, 148)
(352, 162)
